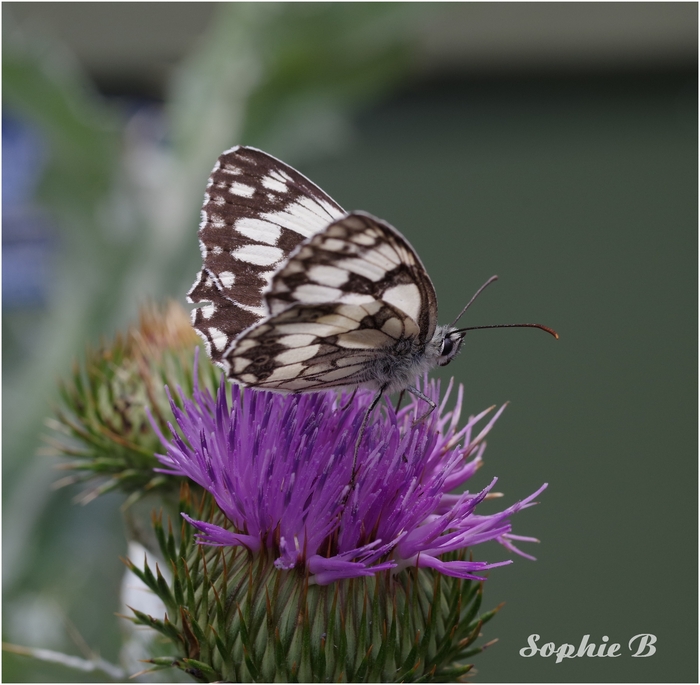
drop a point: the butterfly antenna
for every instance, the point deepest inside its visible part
(549, 330)
(476, 294)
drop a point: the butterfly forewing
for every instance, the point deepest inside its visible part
(256, 211)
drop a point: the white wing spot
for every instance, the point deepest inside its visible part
(218, 338)
(240, 364)
(352, 312)
(365, 339)
(316, 294)
(318, 330)
(208, 311)
(362, 267)
(298, 340)
(410, 327)
(283, 373)
(338, 320)
(297, 354)
(306, 216)
(245, 345)
(227, 278)
(259, 311)
(272, 183)
(259, 230)
(337, 231)
(382, 257)
(262, 255)
(241, 189)
(334, 245)
(405, 297)
(276, 175)
(357, 298)
(363, 239)
(328, 275)
(216, 221)
(384, 251)
(259, 330)
(217, 249)
(393, 327)
(294, 267)
(371, 307)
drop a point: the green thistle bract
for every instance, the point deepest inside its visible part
(101, 424)
(233, 616)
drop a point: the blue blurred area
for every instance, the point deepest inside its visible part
(29, 236)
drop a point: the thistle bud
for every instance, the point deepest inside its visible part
(100, 423)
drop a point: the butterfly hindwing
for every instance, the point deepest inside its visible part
(256, 211)
(350, 299)
(358, 259)
(320, 346)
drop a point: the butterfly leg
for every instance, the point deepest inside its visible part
(425, 398)
(349, 402)
(365, 419)
(398, 404)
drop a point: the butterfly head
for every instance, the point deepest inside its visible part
(450, 342)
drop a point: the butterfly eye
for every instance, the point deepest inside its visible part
(447, 347)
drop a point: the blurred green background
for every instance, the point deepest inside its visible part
(554, 144)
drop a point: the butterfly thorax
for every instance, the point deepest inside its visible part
(396, 367)
(401, 363)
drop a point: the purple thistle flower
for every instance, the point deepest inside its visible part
(279, 468)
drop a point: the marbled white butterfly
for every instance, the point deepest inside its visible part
(300, 295)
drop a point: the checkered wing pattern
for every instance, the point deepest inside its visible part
(346, 305)
(257, 211)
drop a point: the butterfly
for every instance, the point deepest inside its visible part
(299, 295)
